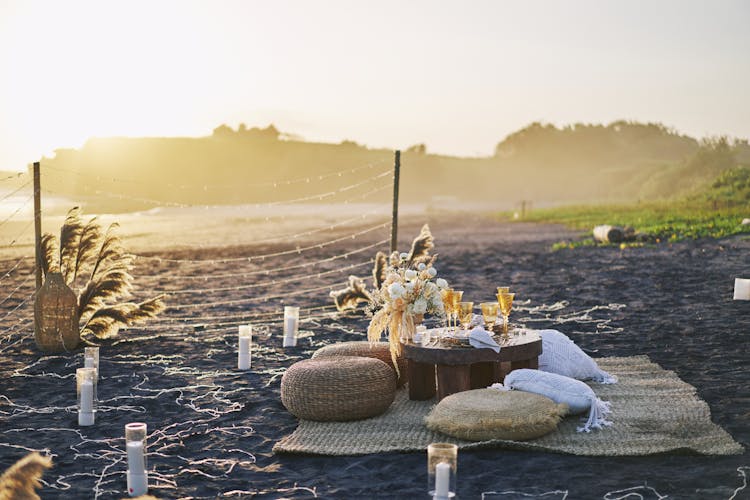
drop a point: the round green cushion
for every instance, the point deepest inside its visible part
(485, 414)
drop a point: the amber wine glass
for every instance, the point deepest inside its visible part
(489, 314)
(456, 305)
(447, 295)
(506, 304)
(466, 314)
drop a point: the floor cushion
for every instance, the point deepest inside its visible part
(562, 356)
(338, 388)
(484, 414)
(576, 395)
(377, 350)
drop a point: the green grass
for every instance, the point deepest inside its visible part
(716, 212)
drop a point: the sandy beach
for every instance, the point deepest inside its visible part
(212, 427)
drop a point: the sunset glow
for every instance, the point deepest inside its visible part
(455, 76)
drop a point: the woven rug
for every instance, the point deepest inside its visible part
(652, 409)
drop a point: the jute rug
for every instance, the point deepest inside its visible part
(652, 409)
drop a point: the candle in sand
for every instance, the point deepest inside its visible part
(291, 324)
(244, 359)
(741, 289)
(135, 446)
(442, 480)
(85, 387)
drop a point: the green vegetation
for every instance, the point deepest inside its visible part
(716, 212)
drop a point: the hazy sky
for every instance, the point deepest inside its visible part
(456, 75)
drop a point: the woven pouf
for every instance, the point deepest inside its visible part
(484, 414)
(338, 388)
(377, 350)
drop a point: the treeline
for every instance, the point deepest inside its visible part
(622, 161)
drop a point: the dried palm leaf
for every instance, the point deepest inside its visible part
(70, 234)
(111, 285)
(50, 254)
(20, 481)
(349, 297)
(420, 247)
(107, 321)
(110, 252)
(88, 244)
(378, 270)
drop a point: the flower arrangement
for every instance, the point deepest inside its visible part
(408, 291)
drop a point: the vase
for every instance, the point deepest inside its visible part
(408, 326)
(56, 316)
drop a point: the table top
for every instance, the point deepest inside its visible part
(521, 345)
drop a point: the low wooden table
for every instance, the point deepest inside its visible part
(447, 370)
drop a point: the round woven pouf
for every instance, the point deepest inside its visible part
(484, 414)
(377, 350)
(338, 388)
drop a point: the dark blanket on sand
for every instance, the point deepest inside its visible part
(212, 428)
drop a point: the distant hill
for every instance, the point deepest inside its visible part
(622, 161)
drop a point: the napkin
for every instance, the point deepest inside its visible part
(481, 338)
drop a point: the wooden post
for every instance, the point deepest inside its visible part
(37, 225)
(394, 222)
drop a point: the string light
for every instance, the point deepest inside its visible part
(25, 184)
(25, 280)
(21, 207)
(252, 258)
(265, 283)
(274, 184)
(14, 176)
(267, 272)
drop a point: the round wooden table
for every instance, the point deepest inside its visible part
(447, 370)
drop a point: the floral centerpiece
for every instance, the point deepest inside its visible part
(409, 290)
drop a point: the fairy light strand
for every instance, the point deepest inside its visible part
(252, 258)
(277, 183)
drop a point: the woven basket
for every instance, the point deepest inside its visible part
(338, 388)
(484, 414)
(377, 350)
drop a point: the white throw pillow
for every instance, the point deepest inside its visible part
(561, 389)
(562, 356)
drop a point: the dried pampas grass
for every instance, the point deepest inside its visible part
(21, 480)
(353, 294)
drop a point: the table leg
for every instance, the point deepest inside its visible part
(483, 374)
(421, 377)
(452, 379)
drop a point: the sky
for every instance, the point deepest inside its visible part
(457, 76)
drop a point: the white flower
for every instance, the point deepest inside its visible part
(441, 283)
(410, 285)
(432, 272)
(410, 274)
(430, 289)
(421, 266)
(420, 306)
(396, 290)
(437, 304)
(404, 255)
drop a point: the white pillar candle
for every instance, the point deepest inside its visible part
(741, 289)
(85, 390)
(244, 359)
(442, 480)
(135, 447)
(291, 324)
(91, 359)
(88, 362)
(136, 463)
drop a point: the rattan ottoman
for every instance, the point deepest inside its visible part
(338, 388)
(377, 350)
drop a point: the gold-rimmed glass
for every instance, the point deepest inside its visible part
(489, 314)
(503, 289)
(465, 314)
(455, 305)
(506, 304)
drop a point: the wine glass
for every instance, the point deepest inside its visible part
(447, 295)
(489, 314)
(506, 304)
(466, 313)
(456, 304)
(503, 289)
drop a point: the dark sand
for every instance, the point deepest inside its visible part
(212, 427)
